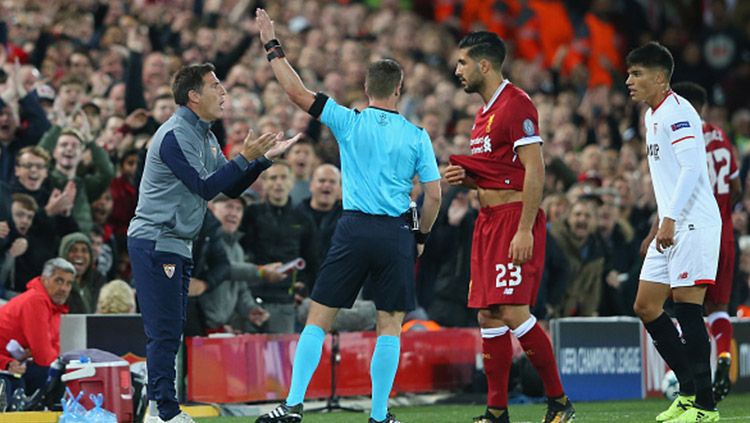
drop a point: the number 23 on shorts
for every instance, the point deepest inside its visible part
(508, 275)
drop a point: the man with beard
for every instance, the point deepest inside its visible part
(506, 168)
(77, 249)
(576, 237)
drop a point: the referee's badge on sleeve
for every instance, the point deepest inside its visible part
(169, 270)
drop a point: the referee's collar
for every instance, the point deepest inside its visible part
(193, 119)
(384, 110)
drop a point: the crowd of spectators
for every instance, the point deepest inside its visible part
(85, 84)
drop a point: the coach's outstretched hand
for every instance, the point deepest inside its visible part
(269, 145)
(252, 148)
(281, 146)
(265, 25)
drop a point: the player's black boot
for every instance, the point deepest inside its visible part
(389, 418)
(282, 414)
(559, 411)
(488, 417)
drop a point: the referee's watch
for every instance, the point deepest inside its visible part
(421, 237)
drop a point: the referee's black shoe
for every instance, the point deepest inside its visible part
(282, 414)
(389, 418)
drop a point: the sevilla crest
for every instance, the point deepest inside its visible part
(169, 270)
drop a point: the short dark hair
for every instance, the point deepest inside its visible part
(189, 78)
(692, 92)
(26, 201)
(485, 45)
(127, 153)
(383, 77)
(652, 55)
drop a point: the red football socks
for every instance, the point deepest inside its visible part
(721, 329)
(538, 348)
(498, 357)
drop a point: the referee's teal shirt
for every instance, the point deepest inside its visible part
(381, 152)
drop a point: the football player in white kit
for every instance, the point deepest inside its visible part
(682, 259)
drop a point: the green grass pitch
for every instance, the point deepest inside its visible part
(736, 408)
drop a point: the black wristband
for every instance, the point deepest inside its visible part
(271, 44)
(275, 53)
(421, 237)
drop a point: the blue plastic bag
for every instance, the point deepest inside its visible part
(73, 411)
(98, 414)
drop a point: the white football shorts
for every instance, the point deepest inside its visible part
(692, 260)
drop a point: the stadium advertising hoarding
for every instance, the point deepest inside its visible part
(599, 358)
(258, 367)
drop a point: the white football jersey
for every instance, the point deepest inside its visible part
(674, 126)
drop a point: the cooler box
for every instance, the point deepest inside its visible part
(111, 379)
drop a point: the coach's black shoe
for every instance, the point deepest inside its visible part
(488, 417)
(282, 414)
(389, 418)
(559, 410)
(722, 383)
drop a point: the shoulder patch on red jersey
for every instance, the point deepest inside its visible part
(528, 127)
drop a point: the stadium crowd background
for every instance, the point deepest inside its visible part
(101, 72)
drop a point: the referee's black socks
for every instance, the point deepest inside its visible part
(667, 341)
(698, 349)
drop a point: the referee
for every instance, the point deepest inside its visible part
(381, 152)
(184, 169)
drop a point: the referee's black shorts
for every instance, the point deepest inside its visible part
(363, 245)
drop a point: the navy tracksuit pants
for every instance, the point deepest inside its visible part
(161, 283)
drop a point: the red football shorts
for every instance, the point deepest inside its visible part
(494, 278)
(720, 292)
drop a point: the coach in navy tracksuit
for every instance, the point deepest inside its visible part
(184, 169)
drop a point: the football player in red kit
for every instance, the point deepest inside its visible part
(724, 177)
(505, 166)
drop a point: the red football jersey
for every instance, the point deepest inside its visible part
(508, 121)
(722, 167)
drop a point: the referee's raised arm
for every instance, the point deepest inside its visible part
(285, 74)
